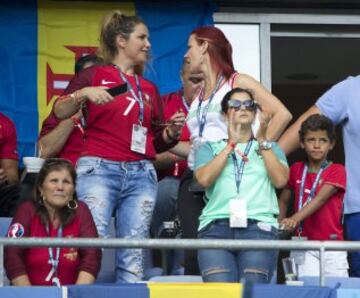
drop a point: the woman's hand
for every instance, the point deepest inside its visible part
(233, 129)
(264, 118)
(176, 123)
(97, 95)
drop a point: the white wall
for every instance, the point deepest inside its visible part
(245, 41)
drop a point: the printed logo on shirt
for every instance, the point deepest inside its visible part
(71, 255)
(105, 82)
(16, 230)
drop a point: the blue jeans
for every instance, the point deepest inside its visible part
(165, 206)
(165, 210)
(222, 265)
(130, 189)
(352, 233)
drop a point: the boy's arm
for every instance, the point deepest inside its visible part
(284, 201)
(326, 192)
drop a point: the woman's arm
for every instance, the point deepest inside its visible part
(14, 257)
(90, 258)
(207, 174)
(280, 115)
(278, 172)
(68, 105)
(284, 201)
(85, 278)
(21, 281)
(289, 141)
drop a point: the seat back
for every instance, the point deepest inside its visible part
(332, 281)
(4, 225)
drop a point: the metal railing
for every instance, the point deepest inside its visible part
(320, 246)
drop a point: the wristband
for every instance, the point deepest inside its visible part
(231, 144)
(77, 124)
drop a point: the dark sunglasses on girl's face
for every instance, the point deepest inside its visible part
(236, 104)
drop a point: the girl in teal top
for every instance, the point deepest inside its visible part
(240, 176)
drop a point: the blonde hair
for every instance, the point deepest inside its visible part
(112, 25)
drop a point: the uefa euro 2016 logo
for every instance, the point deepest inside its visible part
(16, 230)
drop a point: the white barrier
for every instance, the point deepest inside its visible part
(321, 246)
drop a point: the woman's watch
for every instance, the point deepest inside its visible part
(265, 145)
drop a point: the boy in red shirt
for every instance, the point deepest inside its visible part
(318, 187)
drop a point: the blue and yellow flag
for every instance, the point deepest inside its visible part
(41, 40)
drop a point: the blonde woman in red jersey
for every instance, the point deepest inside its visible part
(115, 172)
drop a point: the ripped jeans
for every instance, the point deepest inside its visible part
(130, 189)
(219, 265)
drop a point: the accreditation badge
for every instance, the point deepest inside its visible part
(238, 213)
(138, 138)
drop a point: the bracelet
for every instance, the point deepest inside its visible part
(171, 138)
(78, 100)
(232, 144)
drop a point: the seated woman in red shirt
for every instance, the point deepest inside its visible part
(55, 212)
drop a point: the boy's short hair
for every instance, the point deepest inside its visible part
(318, 122)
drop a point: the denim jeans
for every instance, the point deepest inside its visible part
(165, 210)
(129, 189)
(165, 206)
(222, 265)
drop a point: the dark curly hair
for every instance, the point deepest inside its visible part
(50, 165)
(318, 122)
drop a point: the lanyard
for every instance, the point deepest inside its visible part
(54, 262)
(313, 188)
(138, 97)
(201, 117)
(239, 169)
(185, 104)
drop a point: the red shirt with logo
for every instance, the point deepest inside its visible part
(173, 102)
(325, 223)
(34, 261)
(109, 126)
(8, 140)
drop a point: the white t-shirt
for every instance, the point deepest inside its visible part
(215, 127)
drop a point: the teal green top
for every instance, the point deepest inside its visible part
(256, 187)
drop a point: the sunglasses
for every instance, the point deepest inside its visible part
(236, 104)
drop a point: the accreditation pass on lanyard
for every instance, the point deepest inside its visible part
(139, 132)
(54, 260)
(238, 206)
